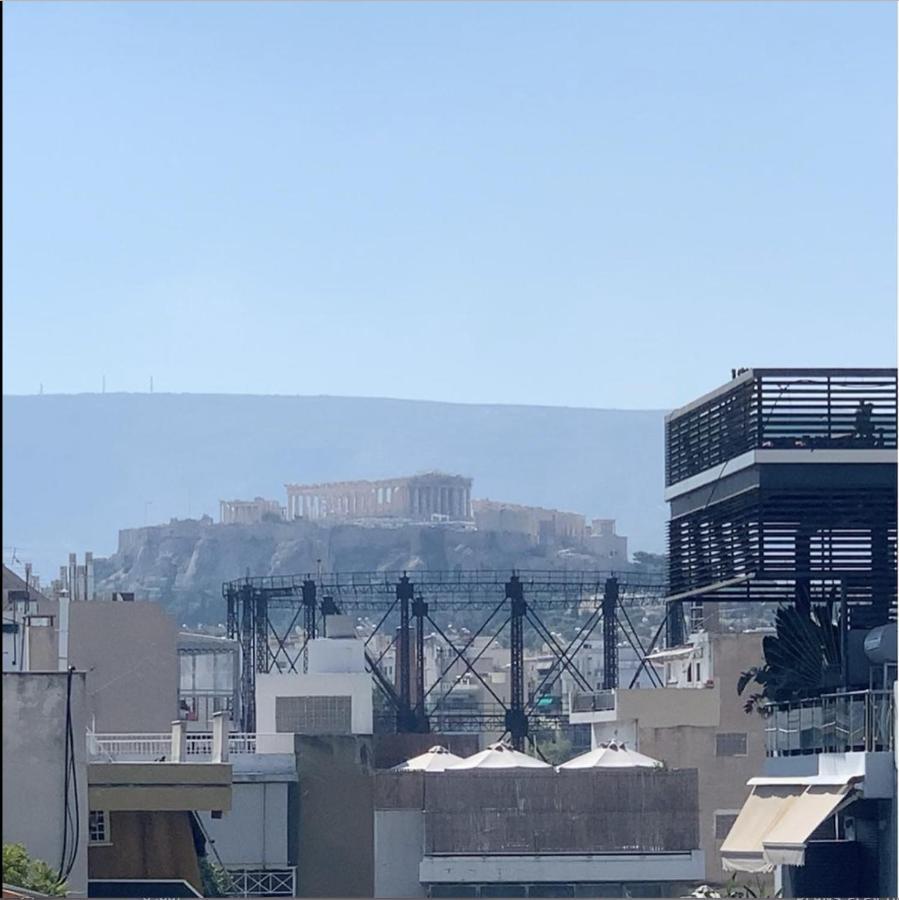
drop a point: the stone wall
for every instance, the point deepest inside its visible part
(538, 523)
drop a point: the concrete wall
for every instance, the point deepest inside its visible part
(334, 842)
(722, 779)
(254, 831)
(147, 845)
(654, 868)
(398, 850)
(671, 707)
(34, 718)
(129, 651)
(357, 686)
(151, 786)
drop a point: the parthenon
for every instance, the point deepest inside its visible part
(419, 497)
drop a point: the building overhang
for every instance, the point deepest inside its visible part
(159, 787)
(795, 456)
(688, 865)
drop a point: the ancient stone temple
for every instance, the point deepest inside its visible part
(424, 498)
(247, 512)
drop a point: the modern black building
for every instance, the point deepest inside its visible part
(782, 486)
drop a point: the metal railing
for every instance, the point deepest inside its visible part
(834, 723)
(157, 747)
(251, 882)
(783, 409)
(597, 701)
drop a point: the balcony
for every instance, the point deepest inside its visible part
(244, 881)
(198, 746)
(859, 721)
(597, 701)
(782, 409)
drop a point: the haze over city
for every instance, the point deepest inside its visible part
(450, 450)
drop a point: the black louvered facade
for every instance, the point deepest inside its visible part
(783, 488)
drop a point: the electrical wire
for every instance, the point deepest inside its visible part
(71, 818)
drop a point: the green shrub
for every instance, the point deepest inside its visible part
(21, 870)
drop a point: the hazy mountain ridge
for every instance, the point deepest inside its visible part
(77, 468)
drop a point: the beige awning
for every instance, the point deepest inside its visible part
(777, 820)
(785, 842)
(743, 849)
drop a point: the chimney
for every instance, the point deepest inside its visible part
(63, 633)
(72, 583)
(88, 576)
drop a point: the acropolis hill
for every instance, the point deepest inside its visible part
(423, 521)
(122, 461)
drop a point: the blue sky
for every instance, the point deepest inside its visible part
(603, 205)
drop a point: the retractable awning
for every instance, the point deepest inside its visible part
(785, 842)
(672, 653)
(778, 818)
(743, 850)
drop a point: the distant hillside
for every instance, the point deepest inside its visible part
(77, 468)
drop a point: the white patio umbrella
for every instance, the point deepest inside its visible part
(499, 756)
(434, 760)
(611, 756)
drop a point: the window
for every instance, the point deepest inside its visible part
(724, 821)
(730, 744)
(98, 827)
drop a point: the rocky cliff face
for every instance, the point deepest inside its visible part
(184, 564)
(76, 468)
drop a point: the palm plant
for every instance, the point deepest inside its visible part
(802, 658)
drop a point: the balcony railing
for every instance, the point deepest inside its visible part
(157, 747)
(783, 409)
(597, 701)
(834, 723)
(252, 882)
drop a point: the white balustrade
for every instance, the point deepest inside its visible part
(198, 746)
